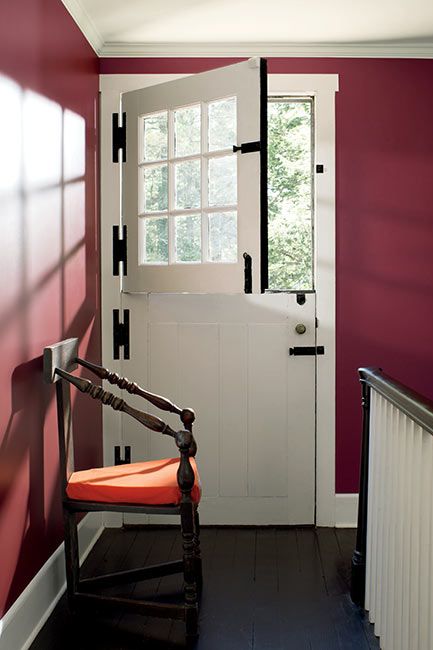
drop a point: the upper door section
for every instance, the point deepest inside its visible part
(194, 183)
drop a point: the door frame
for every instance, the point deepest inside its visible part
(323, 87)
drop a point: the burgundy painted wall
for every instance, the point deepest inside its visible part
(49, 254)
(384, 222)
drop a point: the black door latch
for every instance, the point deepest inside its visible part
(306, 350)
(248, 273)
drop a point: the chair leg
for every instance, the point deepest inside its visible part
(190, 577)
(197, 552)
(71, 556)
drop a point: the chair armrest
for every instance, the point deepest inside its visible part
(108, 399)
(186, 415)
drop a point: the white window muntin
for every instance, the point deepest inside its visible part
(171, 161)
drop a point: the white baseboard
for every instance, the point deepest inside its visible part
(256, 511)
(236, 511)
(22, 622)
(243, 511)
(112, 519)
(346, 510)
(250, 511)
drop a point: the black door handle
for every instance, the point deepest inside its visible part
(248, 273)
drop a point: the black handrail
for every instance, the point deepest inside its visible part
(419, 409)
(414, 405)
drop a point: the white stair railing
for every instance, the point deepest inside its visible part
(392, 568)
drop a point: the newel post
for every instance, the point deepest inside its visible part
(357, 591)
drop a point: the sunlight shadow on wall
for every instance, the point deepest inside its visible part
(45, 297)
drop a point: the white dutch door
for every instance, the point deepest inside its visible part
(191, 198)
(244, 363)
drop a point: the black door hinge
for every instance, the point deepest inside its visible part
(118, 460)
(320, 169)
(119, 250)
(119, 137)
(247, 147)
(306, 350)
(120, 334)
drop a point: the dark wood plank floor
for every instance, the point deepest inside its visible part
(264, 589)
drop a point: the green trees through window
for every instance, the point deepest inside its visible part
(290, 195)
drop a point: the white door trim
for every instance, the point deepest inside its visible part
(323, 87)
(346, 510)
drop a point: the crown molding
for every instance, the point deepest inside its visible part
(86, 24)
(388, 50)
(394, 49)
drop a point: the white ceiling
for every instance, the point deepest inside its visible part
(315, 27)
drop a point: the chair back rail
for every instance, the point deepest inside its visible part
(66, 438)
(62, 355)
(392, 568)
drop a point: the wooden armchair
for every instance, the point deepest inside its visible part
(168, 486)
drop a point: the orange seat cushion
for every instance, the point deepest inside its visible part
(152, 482)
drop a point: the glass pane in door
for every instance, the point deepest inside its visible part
(290, 193)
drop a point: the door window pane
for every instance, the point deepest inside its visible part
(156, 240)
(188, 238)
(222, 181)
(187, 131)
(155, 137)
(187, 184)
(155, 189)
(290, 193)
(173, 186)
(222, 124)
(223, 237)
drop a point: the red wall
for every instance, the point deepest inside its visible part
(49, 248)
(49, 254)
(384, 223)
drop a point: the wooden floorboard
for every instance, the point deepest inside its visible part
(293, 596)
(154, 629)
(264, 589)
(219, 624)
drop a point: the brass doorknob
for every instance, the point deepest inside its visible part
(300, 328)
